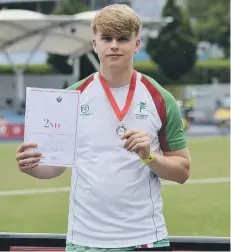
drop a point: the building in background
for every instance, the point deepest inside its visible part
(145, 8)
(98, 4)
(47, 6)
(43, 6)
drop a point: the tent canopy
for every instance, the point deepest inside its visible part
(71, 35)
(26, 31)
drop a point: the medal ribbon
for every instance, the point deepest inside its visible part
(120, 113)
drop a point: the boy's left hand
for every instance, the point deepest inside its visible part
(138, 142)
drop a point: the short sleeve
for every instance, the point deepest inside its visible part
(171, 134)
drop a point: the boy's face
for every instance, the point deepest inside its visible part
(115, 51)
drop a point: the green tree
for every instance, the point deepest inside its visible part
(212, 21)
(60, 62)
(174, 50)
(71, 7)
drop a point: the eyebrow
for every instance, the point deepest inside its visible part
(118, 36)
(105, 34)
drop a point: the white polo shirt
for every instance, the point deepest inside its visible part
(115, 199)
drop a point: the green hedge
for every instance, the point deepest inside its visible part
(205, 63)
(30, 70)
(202, 73)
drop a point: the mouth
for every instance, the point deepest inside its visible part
(114, 55)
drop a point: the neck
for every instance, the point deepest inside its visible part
(117, 78)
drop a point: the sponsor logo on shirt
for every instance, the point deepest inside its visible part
(142, 111)
(85, 110)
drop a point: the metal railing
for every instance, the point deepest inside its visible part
(56, 242)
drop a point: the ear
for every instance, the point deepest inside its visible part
(137, 45)
(94, 45)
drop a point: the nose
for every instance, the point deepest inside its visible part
(114, 45)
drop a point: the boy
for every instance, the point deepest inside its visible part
(130, 136)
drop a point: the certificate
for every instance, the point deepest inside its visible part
(51, 118)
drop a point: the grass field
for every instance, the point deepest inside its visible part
(190, 209)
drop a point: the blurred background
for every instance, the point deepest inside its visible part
(186, 48)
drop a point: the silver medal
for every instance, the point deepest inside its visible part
(120, 130)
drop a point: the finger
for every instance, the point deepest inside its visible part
(28, 167)
(128, 133)
(26, 145)
(133, 137)
(132, 143)
(27, 154)
(138, 146)
(137, 141)
(28, 161)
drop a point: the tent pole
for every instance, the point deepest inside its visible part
(76, 68)
(35, 49)
(20, 87)
(93, 60)
(19, 80)
(19, 73)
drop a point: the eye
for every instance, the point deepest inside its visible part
(123, 38)
(107, 38)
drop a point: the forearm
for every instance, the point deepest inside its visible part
(45, 171)
(173, 168)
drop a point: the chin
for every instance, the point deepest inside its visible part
(115, 66)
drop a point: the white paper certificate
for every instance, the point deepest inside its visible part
(51, 117)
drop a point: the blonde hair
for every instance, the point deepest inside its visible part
(117, 19)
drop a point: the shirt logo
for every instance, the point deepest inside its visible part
(143, 106)
(85, 110)
(143, 113)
